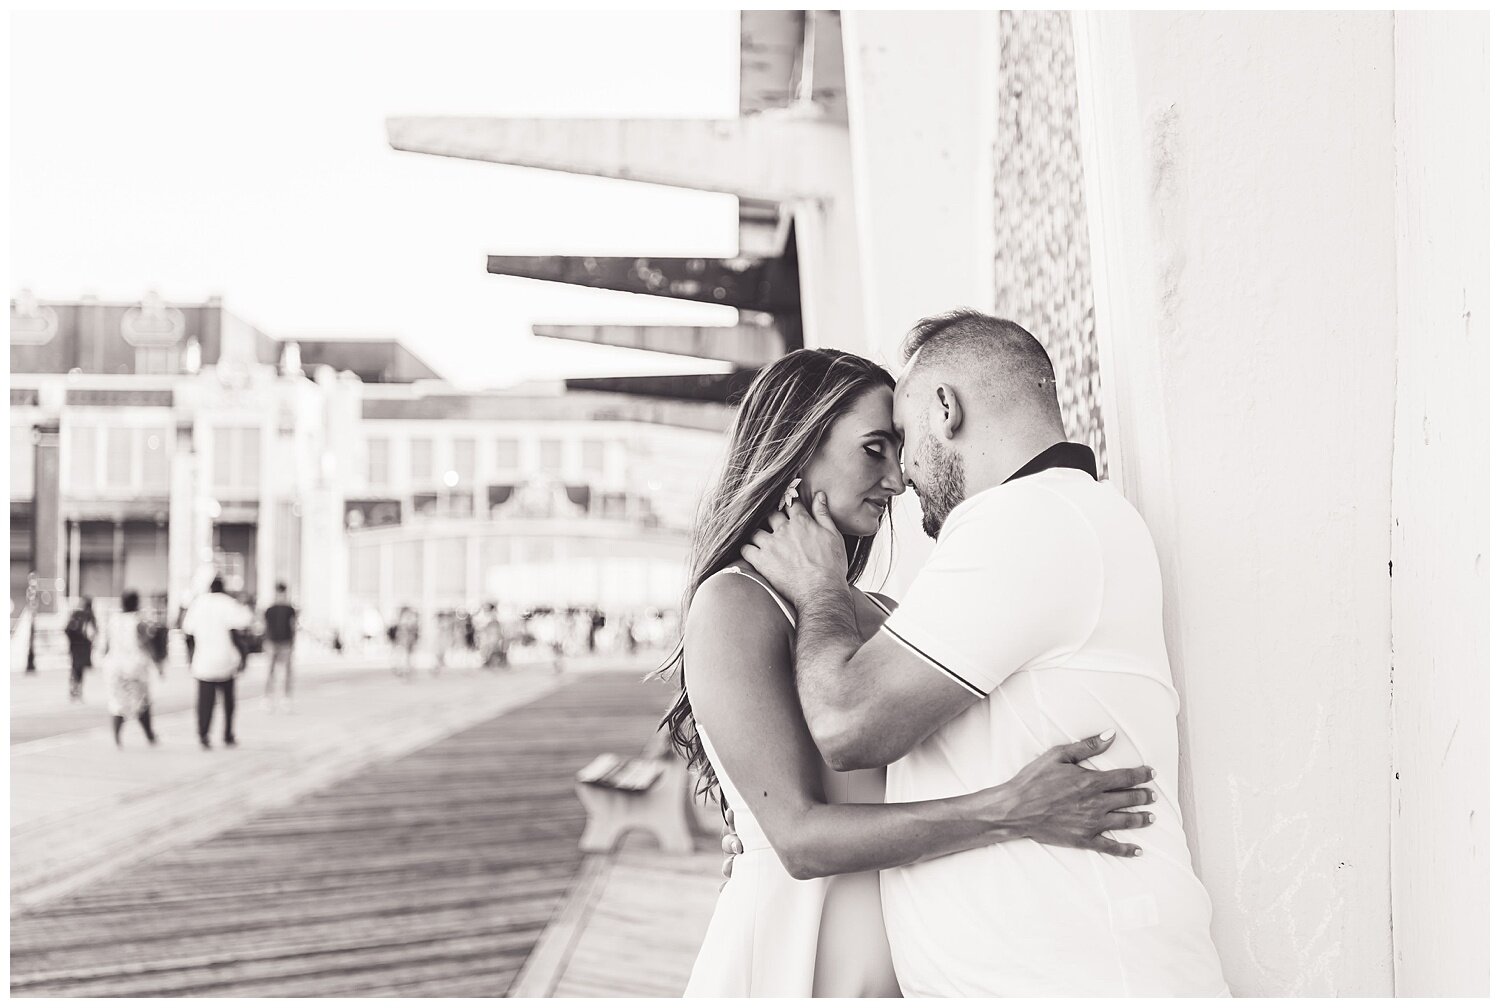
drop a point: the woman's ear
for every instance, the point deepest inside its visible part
(950, 413)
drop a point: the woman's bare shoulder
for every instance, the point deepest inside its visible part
(735, 601)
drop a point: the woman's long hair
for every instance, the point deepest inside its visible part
(782, 419)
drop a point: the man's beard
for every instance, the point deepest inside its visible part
(945, 485)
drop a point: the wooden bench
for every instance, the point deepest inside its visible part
(641, 792)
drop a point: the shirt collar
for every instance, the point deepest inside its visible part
(1063, 455)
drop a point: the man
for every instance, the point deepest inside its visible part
(281, 632)
(955, 699)
(213, 621)
(80, 630)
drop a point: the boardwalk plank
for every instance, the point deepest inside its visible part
(432, 875)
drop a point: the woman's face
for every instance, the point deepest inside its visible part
(857, 466)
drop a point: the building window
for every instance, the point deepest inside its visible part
(236, 458)
(157, 360)
(119, 447)
(377, 461)
(450, 568)
(156, 466)
(552, 456)
(463, 460)
(421, 460)
(459, 503)
(22, 463)
(83, 457)
(593, 456)
(407, 574)
(507, 455)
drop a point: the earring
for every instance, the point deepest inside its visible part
(789, 494)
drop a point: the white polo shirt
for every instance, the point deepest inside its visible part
(1043, 597)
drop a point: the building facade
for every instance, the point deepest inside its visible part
(190, 444)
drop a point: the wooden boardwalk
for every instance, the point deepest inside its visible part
(432, 875)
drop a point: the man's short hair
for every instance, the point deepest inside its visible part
(216, 585)
(969, 338)
(281, 586)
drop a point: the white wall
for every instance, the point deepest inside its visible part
(922, 121)
(1241, 193)
(1440, 574)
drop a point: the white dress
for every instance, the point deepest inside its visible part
(127, 666)
(775, 936)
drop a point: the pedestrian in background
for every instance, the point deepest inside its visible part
(215, 622)
(158, 641)
(281, 633)
(405, 633)
(127, 666)
(81, 629)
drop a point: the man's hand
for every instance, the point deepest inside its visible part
(1055, 801)
(802, 553)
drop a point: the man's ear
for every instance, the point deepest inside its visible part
(951, 413)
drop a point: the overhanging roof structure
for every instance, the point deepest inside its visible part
(786, 157)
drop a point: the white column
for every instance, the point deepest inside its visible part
(1439, 536)
(922, 121)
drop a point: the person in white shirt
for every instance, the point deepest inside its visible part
(1037, 620)
(213, 620)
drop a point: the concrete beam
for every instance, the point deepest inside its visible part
(713, 388)
(761, 285)
(780, 154)
(751, 345)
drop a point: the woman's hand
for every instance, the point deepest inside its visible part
(1052, 800)
(1055, 801)
(731, 846)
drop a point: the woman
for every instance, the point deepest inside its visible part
(127, 666)
(801, 914)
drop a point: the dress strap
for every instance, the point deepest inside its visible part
(780, 602)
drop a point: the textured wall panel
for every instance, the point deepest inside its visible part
(1041, 224)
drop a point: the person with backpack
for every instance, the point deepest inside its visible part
(81, 629)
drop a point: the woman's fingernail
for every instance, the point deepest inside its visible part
(1150, 818)
(1136, 852)
(1107, 736)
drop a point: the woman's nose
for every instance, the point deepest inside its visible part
(893, 480)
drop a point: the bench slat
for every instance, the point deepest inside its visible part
(602, 766)
(609, 770)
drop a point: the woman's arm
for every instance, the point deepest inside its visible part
(737, 664)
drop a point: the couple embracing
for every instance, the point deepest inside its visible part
(974, 793)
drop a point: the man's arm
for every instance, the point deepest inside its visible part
(1033, 569)
(867, 706)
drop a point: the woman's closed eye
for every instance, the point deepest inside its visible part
(876, 448)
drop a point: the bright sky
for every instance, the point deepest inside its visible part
(244, 154)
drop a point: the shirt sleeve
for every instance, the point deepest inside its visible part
(1016, 581)
(190, 620)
